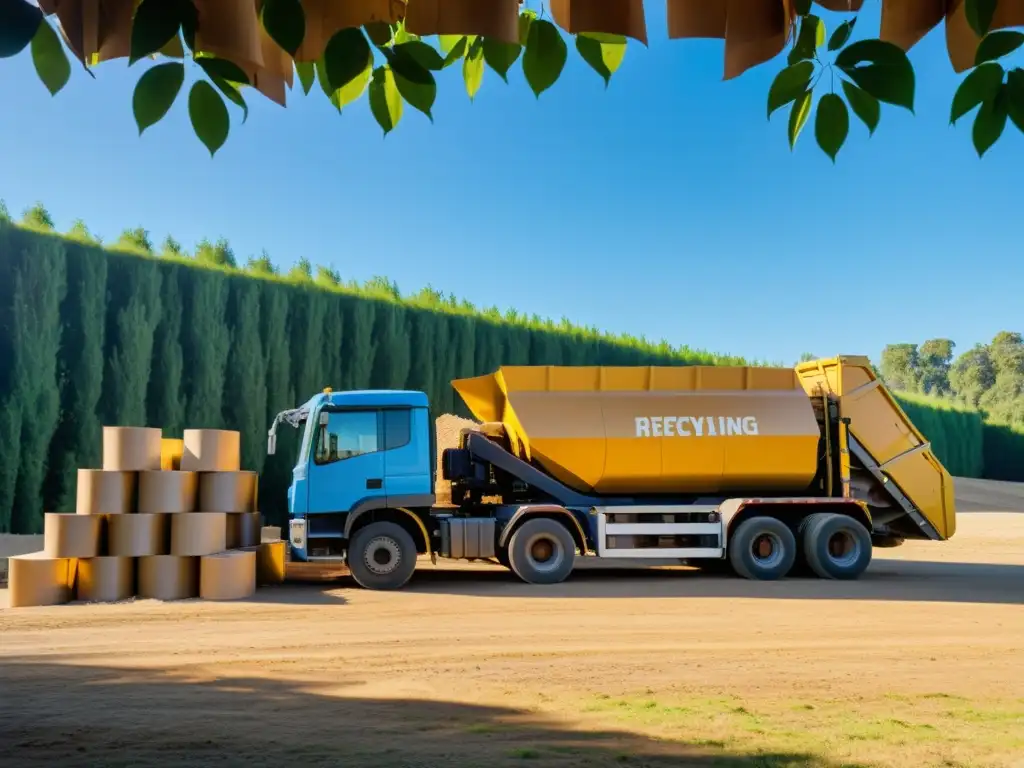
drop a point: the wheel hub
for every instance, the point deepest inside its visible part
(767, 549)
(382, 555)
(843, 548)
(544, 553)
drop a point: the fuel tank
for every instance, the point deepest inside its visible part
(655, 430)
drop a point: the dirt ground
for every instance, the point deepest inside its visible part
(917, 664)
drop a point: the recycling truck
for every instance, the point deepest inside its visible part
(755, 470)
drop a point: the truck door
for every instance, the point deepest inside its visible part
(347, 461)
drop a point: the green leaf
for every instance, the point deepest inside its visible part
(880, 68)
(842, 34)
(457, 51)
(306, 70)
(789, 84)
(156, 22)
(209, 116)
(385, 100)
(995, 45)
(418, 95)
(808, 39)
(50, 60)
(980, 85)
(285, 22)
(803, 7)
(227, 70)
(979, 15)
(155, 93)
(351, 91)
(402, 34)
(345, 57)
(422, 53)
(448, 42)
(405, 64)
(473, 68)
(232, 91)
(798, 115)
(1015, 97)
(380, 33)
(832, 124)
(989, 123)
(604, 53)
(20, 23)
(500, 56)
(526, 19)
(864, 105)
(545, 56)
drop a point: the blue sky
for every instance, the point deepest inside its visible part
(665, 205)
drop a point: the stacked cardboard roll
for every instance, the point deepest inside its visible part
(164, 518)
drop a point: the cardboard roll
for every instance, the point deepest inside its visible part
(227, 491)
(198, 533)
(270, 559)
(138, 535)
(37, 579)
(211, 450)
(270, 533)
(168, 491)
(105, 492)
(131, 449)
(228, 575)
(243, 529)
(72, 535)
(106, 579)
(170, 453)
(168, 577)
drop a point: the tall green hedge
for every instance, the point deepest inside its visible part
(1003, 452)
(90, 337)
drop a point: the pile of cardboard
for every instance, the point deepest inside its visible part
(165, 519)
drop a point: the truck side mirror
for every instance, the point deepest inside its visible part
(271, 445)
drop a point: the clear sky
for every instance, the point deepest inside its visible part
(665, 205)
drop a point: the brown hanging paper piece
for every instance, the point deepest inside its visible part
(167, 577)
(228, 576)
(72, 535)
(324, 18)
(496, 19)
(102, 492)
(138, 535)
(230, 30)
(131, 449)
(106, 579)
(612, 17)
(168, 491)
(37, 579)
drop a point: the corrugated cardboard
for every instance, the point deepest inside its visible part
(168, 577)
(106, 579)
(102, 492)
(72, 535)
(198, 533)
(227, 491)
(228, 576)
(131, 449)
(243, 529)
(138, 535)
(168, 491)
(211, 450)
(36, 579)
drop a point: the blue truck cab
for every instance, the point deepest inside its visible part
(364, 456)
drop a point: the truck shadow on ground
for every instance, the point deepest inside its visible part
(63, 714)
(887, 580)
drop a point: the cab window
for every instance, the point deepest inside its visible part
(348, 434)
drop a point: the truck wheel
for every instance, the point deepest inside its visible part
(762, 548)
(836, 546)
(382, 556)
(542, 551)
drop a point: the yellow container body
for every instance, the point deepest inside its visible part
(639, 430)
(879, 424)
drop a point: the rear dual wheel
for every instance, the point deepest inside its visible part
(835, 546)
(762, 549)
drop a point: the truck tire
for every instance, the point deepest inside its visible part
(762, 549)
(382, 556)
(542, 551)
(836, 546)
